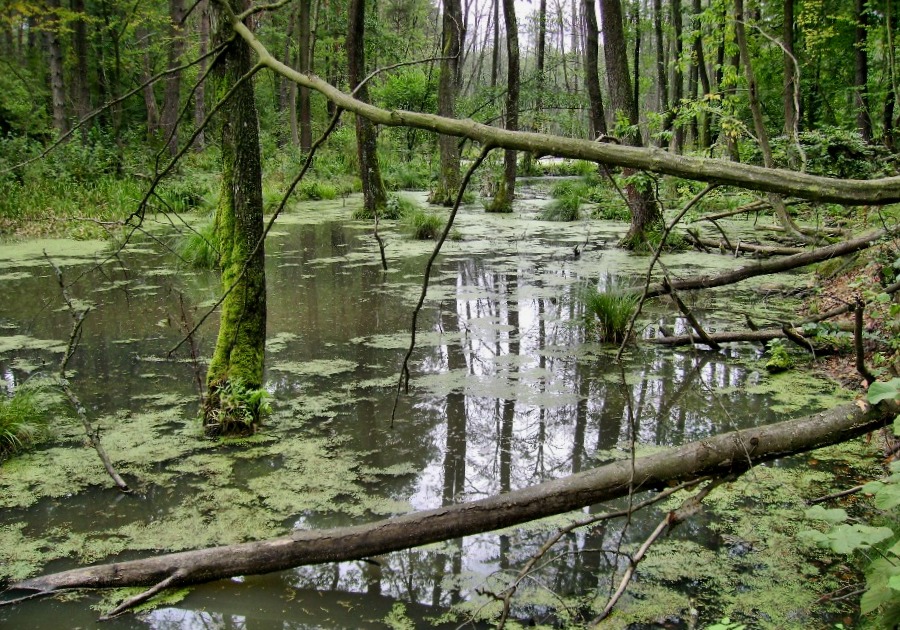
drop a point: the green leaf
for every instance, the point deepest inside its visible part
(819, 513)
(848, 538)
(894, 582)
(879, 390)
(888, 496)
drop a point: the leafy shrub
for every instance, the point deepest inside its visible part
(779, 358)
(563, 209)
(397, 207)
(234, 408)
(608, 312)
(406, 175)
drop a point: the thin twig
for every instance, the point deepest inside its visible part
(404, 369)
(92, 433)
(140, 598)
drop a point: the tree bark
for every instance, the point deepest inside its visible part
(55, 56)
(305, 41)
(236, 367)
(861, 71)
(374, 196)
(452, 41)
(506, 191)
(172, 85)
(200, 92)
(81, 94)
(719, 455)
(662, 77)
(591, 69)
(677, 78)
(787, 40)
(703, 124)
(879, 191)
(646, 214)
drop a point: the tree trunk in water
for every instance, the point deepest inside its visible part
(232, 404)
(645, 212)
(374, 197)
(305, 41)
(591, 71)
(172, 92)
(506, 191)
(55, 56)
(719, 455)
(861, 71)
(200, 92)
(448, 85)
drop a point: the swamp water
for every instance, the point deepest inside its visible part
(506, 392)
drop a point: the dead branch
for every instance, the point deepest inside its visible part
(404, 369)
(861, 367)
(688, 508)
(775, 266)
(689, 316)
(714, 456)
(764, 250)
(93, 433)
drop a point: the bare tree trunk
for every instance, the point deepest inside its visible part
(55, 56)
(787, 40)
(506, 191)
(495, 58)
(150, 105)
(645, 212)
(172, 90)
(81, 95)
(861, 71)
(448, 86)
(762, 134)
(305, 41)
(662, 75)
(374, 196)
(591, 71)
(200, 92)
(636, 66)
(677, 77)
(703, 125)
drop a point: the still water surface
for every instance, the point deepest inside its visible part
(506, 391)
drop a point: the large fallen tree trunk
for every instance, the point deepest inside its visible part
(773, 266)
(719, 455)
(872, 192)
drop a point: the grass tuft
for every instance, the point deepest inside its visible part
(608, 312)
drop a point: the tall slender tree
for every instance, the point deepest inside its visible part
(452, 42)
(645, 211)
(506, 191)
(591, 71)
(374, 196)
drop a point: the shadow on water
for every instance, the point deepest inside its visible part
(507, 391)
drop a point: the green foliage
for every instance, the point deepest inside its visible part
(832, 151)
(879, 391)
(779, 358)
(200, 247)
(397, 207)
(23, 420)
(726, 624)
(397, 619)
(405, 174)
(423, 225)
(236, 408)
(568, 197)
(315, 190)
(608, 312)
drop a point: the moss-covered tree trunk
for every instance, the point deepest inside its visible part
(232, 405)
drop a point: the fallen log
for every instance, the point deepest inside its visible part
(718, 455)
(766, 250)
(723, 337)
(774, 266)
